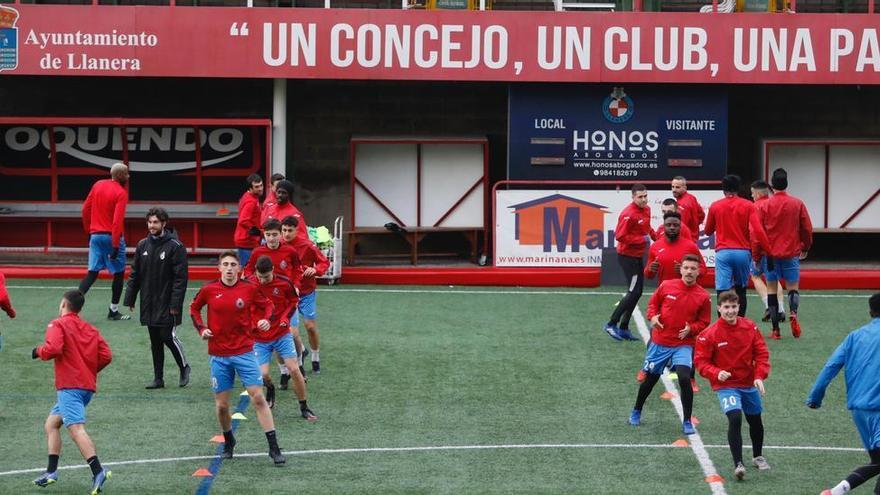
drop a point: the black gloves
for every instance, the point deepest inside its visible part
(114, 254)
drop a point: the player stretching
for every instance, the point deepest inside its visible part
(679, 310)
(733, 356)
(314, 265)
(103, 216)
(632, 234)
(859, 353)
(235, 307)
(80, 353)
(280, 290)
(786, 220)
(692, 214)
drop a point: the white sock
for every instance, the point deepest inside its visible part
(315, 357)
(841, 488)
(114, 307)
(283, 369)
(781, 304)
(764, 300)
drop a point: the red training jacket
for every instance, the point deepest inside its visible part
(284, 296)
(678, 304)
(685, 232)
(104, 209)
(233, 313)
(310, 256)
(633, 225)
(284, 259)
(669, 254)
(692, 214)
(79, 352)
(738, 349)
(786, 220)
(280, 212)
(270, 199)
(5, 303)
(248, 216)
(729, 220)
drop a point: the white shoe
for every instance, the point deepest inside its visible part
(761, 463)
(740, 472)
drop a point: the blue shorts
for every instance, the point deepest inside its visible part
(283, 345)
(223, 370)
(244, 255)
(660, 356)
(747, 400)
(308, 306)
(868, 424)
(732, 268)
(788, 269)
(759, 268)
(100, 248)
(71, 406)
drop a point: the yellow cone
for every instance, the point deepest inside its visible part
(239, 416)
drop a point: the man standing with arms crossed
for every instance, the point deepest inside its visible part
(859, 353)
(692, 214)
(235, 307)
(247, 228)
(159, 272)
(103, 216)
(786, 220)
(679, 310)
(633, 233)
(80, 353)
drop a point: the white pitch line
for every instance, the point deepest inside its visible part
(694, 440)
(460, 291)
(431, 449)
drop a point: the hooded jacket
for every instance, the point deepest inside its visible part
(159, 273)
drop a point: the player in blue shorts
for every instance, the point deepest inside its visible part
(733, 356)
(859, 353)
(80, 353)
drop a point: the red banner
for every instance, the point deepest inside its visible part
(300, 43)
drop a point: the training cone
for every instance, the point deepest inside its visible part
(673, 376)
(681, 442)
(667, 396)
(202, 473)
(217, 439)
(695, 421)
(243, 393)
(239, 416)
(715, 478)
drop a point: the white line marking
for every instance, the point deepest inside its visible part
(694, 440)
(431, 449)
(465, 291)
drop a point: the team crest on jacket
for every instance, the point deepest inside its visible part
(618, 107)
(239, 303)
(283, 265)
(275, 291)
(162, 255)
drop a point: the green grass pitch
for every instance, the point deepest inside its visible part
(525, 375)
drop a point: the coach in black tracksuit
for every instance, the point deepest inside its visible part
(159, 272)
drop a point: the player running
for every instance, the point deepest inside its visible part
(733, 356)
(761, 192)
(80, 353)
(859, 353)
(283, 294)
(665, 255)
(633, 233)
(235, 307)
(786, 220)
(103, 216)
(283, 256)
(679, 310)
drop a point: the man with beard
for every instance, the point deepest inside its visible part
(692, 214)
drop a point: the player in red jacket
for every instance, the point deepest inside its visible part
(760, 193)
(786, 220)
(235, 308)
(280, 290)
(247, 228)
(284, 208)
(283, 256)
(314, 265)
(632, 234)
(103, 216)
(665, 255)
(733, 356)
(692, 214)
(679, 310)
(270, 199)
(5, 303)
(670, 205)
(80, 353)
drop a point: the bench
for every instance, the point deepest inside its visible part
(413, 236)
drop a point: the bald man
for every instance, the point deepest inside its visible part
(103, 216)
